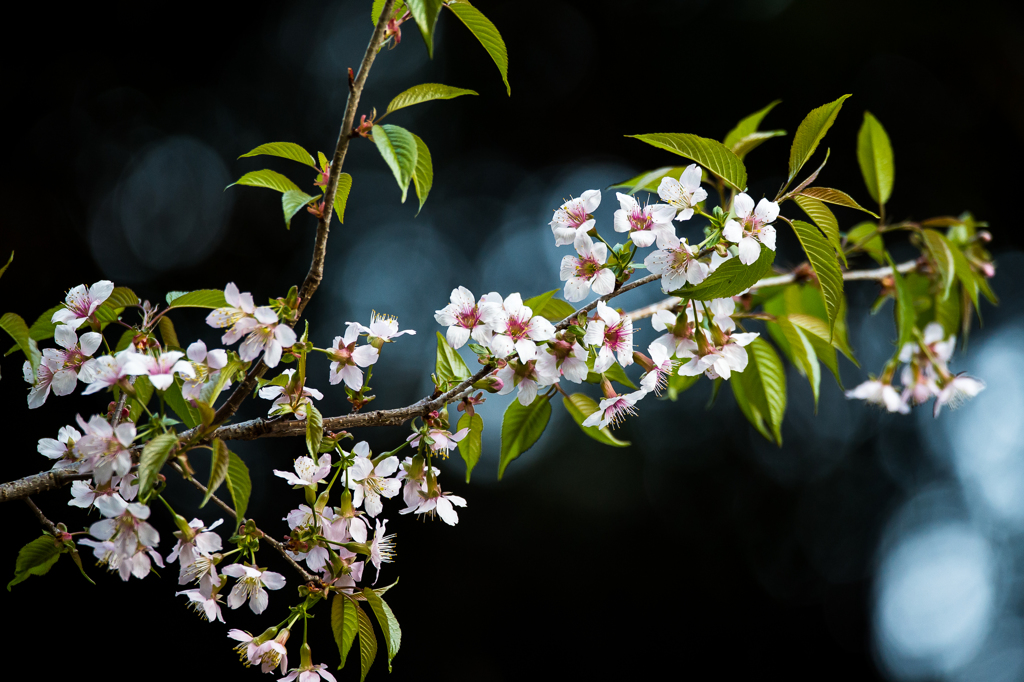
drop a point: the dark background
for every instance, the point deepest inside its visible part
(700, 549)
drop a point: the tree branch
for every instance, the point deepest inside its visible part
(316, 268)
(46, 523)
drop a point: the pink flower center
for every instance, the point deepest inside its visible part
(469, 318)
(343, 354)
(81, 306)
(640, 219)
(619, 410)
(587, 266)
(518, 327)
(681, 259)
(752, 225)
(615, 337)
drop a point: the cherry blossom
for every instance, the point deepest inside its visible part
(677, 264)
(529, 377)
(68, 361)
(614, 409)
(369, 482)
(464, 318)
(957, 390)
(105, 448)
(159, 368)
(290, 398)
(199, 542)
(586, 271)
(127, 539)
(307, 472)
(613, 334)
(659, 366)
(61, 448)
(205, 605)
(718, 360)
(264, 334)
(206, 366)
(382, 327)
(347, 358)
(685, 193)
(264, 650)
(41, 382)
(324, 523)
(879, 393)
(444, 441)
(81, 303)
(249, 585)
(105, 371)
(574, 217)
(515, 327)
(381, 548)
(437, 502)
(752, 228)
(679, 332)
(307, 672)
(413, 474)
(238, 314)
(561, 359)
(645, 224)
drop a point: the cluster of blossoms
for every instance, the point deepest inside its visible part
(925, 375)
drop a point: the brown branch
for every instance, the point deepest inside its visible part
(46, 523)
(307, 577)
(316, 268)
(37, 483)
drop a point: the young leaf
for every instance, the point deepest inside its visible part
(167, 333)
(143, 392)
(471, 446)
(970, 280)
(398, 9)
(314, 430)
(481, 27)
(387, 621)
(341, 196)
(16, 327)
(811, 131)
(423, 173)
(803, 355)
(35, 558)
(520, 429)
(42, 328)
(754, 140)
(865, 236)
(816, 331)
(293, 201)
(367, 643)
(119, 299)
(834, 196)
(711, 154)
(7, 265)
(239, 485)
(397, 146)
(549, 307)
(344, 624)
(154, 456)
(649, 181)
(748, 125)
(764, 384)
(941, 252)
(425, 13)
(426, 92)
(905, 313)
(172, 396)
(265, 178)
(218, 469)
(579, 407)
(731, 278)
(823, 260)
(450, 365)
(874, 153)
(202, 298)
(285, 150)
(750, 411)
(824, 219)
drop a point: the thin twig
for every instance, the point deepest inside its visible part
(46, 523)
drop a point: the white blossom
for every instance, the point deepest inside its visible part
(574, 217)
(752, 228)
(685, 193)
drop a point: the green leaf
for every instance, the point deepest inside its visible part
(16, 327)
(874, 153)
(947, 313)
(423, 174)
(874, 246)
(823, 260)
(143, 393)
(764, 385)
(550, 308)
(154, 456)
(314, 430)
(617, 374)
(7, 265)
(119, 299)
(816, 331)
(941, 252)
(218, 469)
(426, 92)
(824, 219)
(341, 193)
(266, 178)
(520, 429)
(173, 398)
(753, 141)
(293, 201)
(751, 412)
(167, 333)
(42, 328)
(834, 196)
(579, 407)
(811, 131)
(202, 298)
(711, 154)
(344, 624)
(748, 125)
(481, 27)
(970, 280)
(398, 9)
(239, 484)
(677, 384)
(387, 621)
(471, 446)
(649, 181)
(425, 13)
(803, 355)
(731, 278)
(905, 314)
(285, 150)
(398, 148)
(367, 643)
(35, 558)
(450, 366)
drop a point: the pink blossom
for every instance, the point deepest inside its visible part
(81, 303)
(614, 409)
(515, 327)
(586, 271)
(159, 368)
(752, 228)
(105, 448)
(645, 224)
(464, 318)
(206, 366)
(677, 264)
(348, 358)
(444, 441)
(267, 335)
(613, 334)
(239, 309)
(561, 359)
(290, 398)
(574, 217)
(250, 585)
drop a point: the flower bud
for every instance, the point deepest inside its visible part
(985, 236)
(644, 361)
(490, 383)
